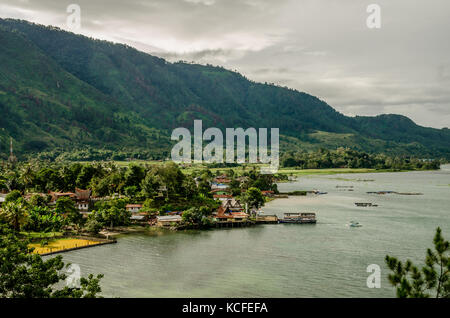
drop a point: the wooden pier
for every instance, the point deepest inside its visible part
(233, 224)
(267, 219)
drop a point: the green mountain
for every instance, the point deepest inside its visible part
(59, 89)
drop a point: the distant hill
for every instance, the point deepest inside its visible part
(59, 89)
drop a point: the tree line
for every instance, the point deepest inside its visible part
(348, 158)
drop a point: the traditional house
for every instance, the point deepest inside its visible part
(168, 220)
(231, 210)
(222, 180)
(219, 186)
(222, 215)
(56, 195)
(222, 197)
(226, 215)
(133, 208)
(82, 199)
(233, 205)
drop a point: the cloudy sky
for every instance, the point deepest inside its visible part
(322, 47)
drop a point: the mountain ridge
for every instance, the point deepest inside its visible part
(112, 96)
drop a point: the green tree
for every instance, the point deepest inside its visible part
(13, 196)
(134, 175)
(131, 191)
(150, 185)
(64, 206)
(84, 177)
(93, 225)
(38, 200)
(15, 214)
(111, 216)
(196, 218)
(253, 197)
(27, 275)
(433, 280)
(42, 219)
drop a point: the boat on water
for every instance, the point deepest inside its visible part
(365, 204)
(299, 218)
(354, 224)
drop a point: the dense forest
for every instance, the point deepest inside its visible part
(61, 92)
(348, 158)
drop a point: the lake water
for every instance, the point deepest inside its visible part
(328, 259)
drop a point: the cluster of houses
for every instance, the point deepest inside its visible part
(230, 211)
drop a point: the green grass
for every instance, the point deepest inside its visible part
(239, 170)
(324, 171)
(41, 234)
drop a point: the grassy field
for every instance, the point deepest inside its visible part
(239, 170)
(291, 171)
(61, 244)
(41, 234)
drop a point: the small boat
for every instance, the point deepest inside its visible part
(365, 204)
(299, 218)
(354, 224)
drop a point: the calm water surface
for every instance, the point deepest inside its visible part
(328, 259)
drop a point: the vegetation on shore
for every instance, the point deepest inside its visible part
(352, 159)
(24, 274)
(432, 280)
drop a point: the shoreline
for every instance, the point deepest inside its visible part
(109, 236)
(334, 171)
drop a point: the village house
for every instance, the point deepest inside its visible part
(57, 195)
(231, 210)
(219, 186)
(222, 180)
(222, 197)
(133, 208)
(139, 217)
(81, 198)
(233, 205)
(168, 220)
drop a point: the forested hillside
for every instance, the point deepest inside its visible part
(61, 90)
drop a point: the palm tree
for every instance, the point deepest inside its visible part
(15, 214)
(27, 175)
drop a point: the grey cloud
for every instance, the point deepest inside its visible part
(322, 47)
